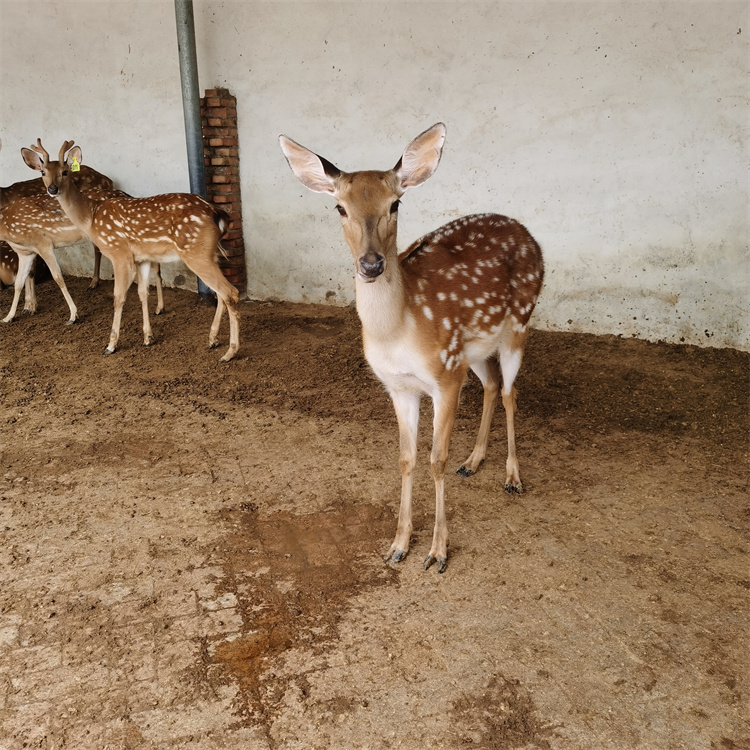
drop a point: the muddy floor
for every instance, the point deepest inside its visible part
(191, 552)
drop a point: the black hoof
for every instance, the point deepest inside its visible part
(442, 563)
(108, 351)
(398, 556)
(514, 489)
(463, 471)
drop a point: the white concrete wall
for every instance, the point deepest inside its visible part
(617, 132)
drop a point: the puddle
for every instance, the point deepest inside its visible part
(292, 576)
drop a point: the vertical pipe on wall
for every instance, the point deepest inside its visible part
(191, 103)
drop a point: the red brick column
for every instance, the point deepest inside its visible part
(222, 160)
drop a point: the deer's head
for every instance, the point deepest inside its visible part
(54, 173)
(368, 201)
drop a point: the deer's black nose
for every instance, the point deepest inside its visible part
(52, 190)
(371, 267)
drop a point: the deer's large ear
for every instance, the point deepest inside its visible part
(313, 171)
(32, 159)
(421, 157)
(74, 155)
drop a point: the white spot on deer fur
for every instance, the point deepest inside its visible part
(427, 312)
(443, 356)
(447, 324)
(441, 296)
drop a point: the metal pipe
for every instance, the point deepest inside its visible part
(191, 105)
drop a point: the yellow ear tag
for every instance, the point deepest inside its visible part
(75, 166)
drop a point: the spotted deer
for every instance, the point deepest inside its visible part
(36, 225)
(457, 299)
(87, 179)
(140, 231)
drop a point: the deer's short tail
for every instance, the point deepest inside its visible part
(221, 218)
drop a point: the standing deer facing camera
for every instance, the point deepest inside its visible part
(457, 299)
(140, 231)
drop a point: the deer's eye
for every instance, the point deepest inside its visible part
(341, 210)
(394, 206)
(42, 172)
(65, 172)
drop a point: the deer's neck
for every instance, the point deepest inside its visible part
(78, 207)
(381, 304)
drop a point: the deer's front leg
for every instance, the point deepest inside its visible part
(124, 270)
(407, 412)
(445, 407)
(48, 255)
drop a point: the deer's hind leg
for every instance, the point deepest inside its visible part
(25, 262)
(489, 375)
(511, 354)
(144, 274)
(227, 296)
(159, 290)
(94, 283)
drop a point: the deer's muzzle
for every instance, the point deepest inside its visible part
(370, 266)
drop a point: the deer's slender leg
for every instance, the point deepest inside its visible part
(29, 296)
(406, 404)
(159, 291)
(29, 288)
(213, 334)
(48, 256)
(226, 295)
(97, 267)
(25, 261)
(144, 276)
(511, 354)
(489, 374)
(445, 405)
(124, 272)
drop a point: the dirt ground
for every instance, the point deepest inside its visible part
(191, 552)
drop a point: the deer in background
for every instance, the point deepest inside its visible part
(140, 231)
(33, 226)
(32, 223)
(460, 298)
(87, 179)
